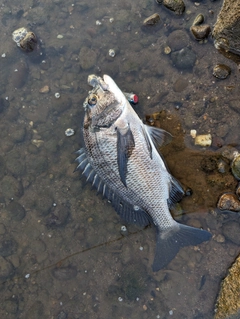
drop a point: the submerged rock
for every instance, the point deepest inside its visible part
(184, 59)
(226, 31)
(221, 71)
(152, 20)
(198, 20)
(228, 302)
(200, 32)
(177, 6)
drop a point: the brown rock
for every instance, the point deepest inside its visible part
(44, 89)
(200, 32)
(226, 31)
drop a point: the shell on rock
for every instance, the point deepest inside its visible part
(221, 71)
(229, 202)
(200, 32)
(19, 34)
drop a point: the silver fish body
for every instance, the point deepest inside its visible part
(121, 161)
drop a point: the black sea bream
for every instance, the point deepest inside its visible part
(121, 161)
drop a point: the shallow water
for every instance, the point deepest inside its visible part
(62, 254)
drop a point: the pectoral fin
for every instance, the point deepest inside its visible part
(158, 136)
(125, 145)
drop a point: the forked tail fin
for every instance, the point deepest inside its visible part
(170, 242)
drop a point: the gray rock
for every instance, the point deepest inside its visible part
(231, 230)
(87, 58)
(16, 211)
(10, 187)
(8, 246)
(183, 59)
(152, 20)
(226, 31)
(178, 40)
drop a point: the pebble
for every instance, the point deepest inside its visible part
(200, 32)
(221, 71)
(44, 89)
(198, 20)
(69, 132)
(152, 20)
(203, 140)
(229, 202)
(111, 53)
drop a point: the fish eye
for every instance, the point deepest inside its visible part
(92, 100)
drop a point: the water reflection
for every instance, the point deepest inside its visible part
(62, 254)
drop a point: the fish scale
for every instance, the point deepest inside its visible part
(121, 161)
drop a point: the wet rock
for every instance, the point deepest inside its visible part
(226, 31)
(235, 166)
(183, 59)
(87, 58)
(152, 20)
(10, 187)
(16, 211)
(221, 71)
(200, 32)
(6, 269)
(8, 246)
(177, 6)
(228, 299)
(64, 273)
(229, 202)
(178, 40)
(198, 20)
(180, 85)
(62, 104)
(19, 75)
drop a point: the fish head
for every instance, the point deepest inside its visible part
(104, 103)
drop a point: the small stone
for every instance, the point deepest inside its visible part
(193, 133)
(203, 140)
(111, 53)
(44, 89)
(152, 20)
(221, 71)
(219, 238)
(200, 32)
(198, 20)
(69, 132)
(60, 36)
(229, 202)
(167, 50)
(57, 95)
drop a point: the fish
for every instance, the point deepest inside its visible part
(121, 159)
